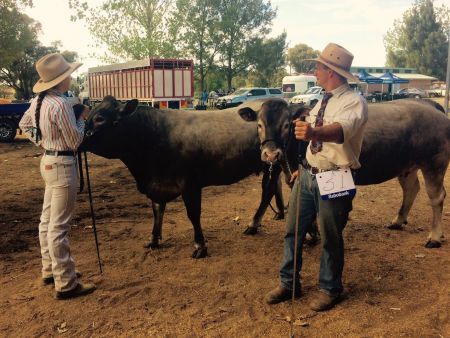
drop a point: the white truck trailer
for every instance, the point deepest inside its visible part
(297, 84)
(162, 83)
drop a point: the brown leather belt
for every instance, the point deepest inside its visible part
(315, 171)
(60, 153)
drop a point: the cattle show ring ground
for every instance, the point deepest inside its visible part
(394, 286)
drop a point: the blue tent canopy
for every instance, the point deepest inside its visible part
(388, 77)
(363, 76)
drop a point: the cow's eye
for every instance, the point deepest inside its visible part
(259, 126)
(99, 119)
(286, 125)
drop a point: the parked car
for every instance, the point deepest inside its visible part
(378, 96)
(10, 115)
(413, 92)
(246, 94)
(310, 97)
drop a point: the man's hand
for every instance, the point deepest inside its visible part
(303, 130)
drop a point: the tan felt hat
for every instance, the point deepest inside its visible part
(52, 70)
(338, 59)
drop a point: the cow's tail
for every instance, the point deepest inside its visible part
(434, 104)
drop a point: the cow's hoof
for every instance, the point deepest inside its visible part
(395, 226)
(251, 231)
(200, 253)
(432, 244)
(151, 245)
(278, 216)
(312, 240)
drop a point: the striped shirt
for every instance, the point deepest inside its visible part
(59, 128)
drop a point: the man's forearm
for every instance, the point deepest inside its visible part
(330, 133)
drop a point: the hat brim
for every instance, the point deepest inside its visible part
(41, 85)
(349, 76)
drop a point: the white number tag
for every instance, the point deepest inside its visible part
(335, 184)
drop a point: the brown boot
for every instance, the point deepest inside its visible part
(50, 280)
(79, 290)
(281, 294)
(324, 301)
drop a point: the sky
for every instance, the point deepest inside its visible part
(358, 25)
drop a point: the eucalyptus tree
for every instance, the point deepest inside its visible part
(198, 33)
(297, 54)
(241, 22)
(267, 59)
(130, 29)
(420, 39)
(17, 30)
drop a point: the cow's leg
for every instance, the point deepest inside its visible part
(434, 182)
(410, 187)
(192, 198)
(158, 214)
(269, 185)
(279, 200)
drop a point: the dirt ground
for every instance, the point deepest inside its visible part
(394, 286)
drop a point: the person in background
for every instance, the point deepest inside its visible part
(204, 97)
(50, 123)
(335, 133)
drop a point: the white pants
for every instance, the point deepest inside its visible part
(61, 180)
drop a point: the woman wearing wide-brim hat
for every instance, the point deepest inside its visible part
(50, 123)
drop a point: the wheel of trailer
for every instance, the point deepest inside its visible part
(8, 130)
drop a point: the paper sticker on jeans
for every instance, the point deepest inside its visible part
(335, 184)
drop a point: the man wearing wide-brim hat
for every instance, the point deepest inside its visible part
(51, 123)
(335, 133)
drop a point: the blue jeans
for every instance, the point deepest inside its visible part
(333, 215)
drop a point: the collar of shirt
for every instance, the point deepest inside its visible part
(56, 92)
(337, 92)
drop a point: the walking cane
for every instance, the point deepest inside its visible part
(92, 211)
(301, 156)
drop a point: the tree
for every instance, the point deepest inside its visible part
(301, 52)
(21, 74)
(420, 39)
(241, 22)
(17, 31)
(268, 59)
(131, 28)
(199, 35)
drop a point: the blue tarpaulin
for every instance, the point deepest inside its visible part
(390, 78)
(363, 76)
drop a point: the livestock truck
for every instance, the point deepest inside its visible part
(162, 83)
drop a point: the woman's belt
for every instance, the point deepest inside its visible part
(60, 152)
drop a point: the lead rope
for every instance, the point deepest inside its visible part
(92, 211)
(301, 148)
(297, 223)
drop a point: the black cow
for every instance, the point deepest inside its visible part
(401, 137)
(173, 152)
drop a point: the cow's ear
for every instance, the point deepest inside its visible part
(298, 110)
(247, 114)
(130, 107)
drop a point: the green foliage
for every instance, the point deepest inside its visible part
(267, 59)
(198, 35)
(420, 39)
(242, 21)
(17, 31)
(297, 54)
(131, 29)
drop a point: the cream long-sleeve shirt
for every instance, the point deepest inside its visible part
(349, 109)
